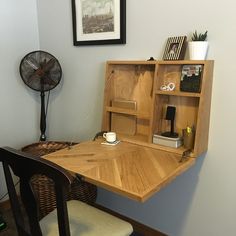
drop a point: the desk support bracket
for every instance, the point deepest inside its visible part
(79, 177)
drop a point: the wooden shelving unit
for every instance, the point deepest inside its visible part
(139, 82)
(135, 108)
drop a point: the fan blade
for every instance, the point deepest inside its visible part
(49, 65)
(32, 64)
(37, 74)
(48, 80)
(33, 77)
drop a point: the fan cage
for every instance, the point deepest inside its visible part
(32, 63)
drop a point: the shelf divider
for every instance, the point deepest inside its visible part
(127, 112)
(178, 93)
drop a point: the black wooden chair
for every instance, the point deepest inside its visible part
(73, 218)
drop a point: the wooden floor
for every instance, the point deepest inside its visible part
(11, 227)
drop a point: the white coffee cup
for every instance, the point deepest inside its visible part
(110, 137)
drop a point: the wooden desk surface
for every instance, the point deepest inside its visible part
(131, 170)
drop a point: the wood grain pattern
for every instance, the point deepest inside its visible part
(123, 123)
(129, 81)
(137, 168)
(202, 131)
(141, 81)
(131, 170)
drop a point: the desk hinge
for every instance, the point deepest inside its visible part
(185, 155)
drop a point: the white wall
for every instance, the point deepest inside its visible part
(201, 201)
(19, 115)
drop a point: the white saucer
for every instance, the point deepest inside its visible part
(111, 144)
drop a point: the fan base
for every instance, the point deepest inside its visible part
(42, 137)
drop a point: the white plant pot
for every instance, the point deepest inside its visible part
(198, 50)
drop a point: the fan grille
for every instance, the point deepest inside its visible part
(40, 71)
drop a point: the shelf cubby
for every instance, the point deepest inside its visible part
(136, 87)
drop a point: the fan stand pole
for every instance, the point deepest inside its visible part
(43, 117)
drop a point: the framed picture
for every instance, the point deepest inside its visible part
(175, 48)
(191, 78)
(97, 22)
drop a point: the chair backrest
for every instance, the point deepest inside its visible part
(25, 166)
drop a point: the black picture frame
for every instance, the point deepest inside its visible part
(98, 26)
(175, 48)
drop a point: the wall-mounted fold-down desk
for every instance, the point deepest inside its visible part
(131, 170)
(135, 106)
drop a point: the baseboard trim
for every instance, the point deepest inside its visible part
(139, 228)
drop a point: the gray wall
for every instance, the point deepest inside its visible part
(19, 105)
(201, 201)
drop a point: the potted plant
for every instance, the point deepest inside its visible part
(198, 47)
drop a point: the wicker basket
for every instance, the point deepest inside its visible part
(44, 186)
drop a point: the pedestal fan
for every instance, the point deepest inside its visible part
(41, 72)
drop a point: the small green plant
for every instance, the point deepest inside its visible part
(199, 37)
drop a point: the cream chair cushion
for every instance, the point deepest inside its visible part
(86, 220)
